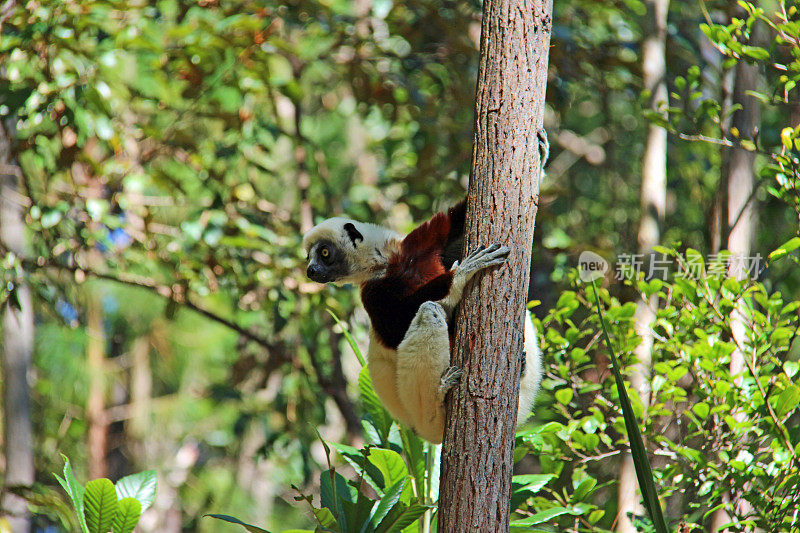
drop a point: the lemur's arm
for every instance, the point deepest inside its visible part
(463, 272)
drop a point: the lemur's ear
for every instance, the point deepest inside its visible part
(353, 233)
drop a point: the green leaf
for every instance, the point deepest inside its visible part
(701, 410)
(334, 491)
(249, 527)
(414, 449)
(532, 483)
(141, 487)
(788, 400)
(584, 488)
(380, 416)
(755, 52)
(358, 461)
(542, 516)
(564, 396)
(128, 512)
(325, 518)
(784, 249)
(75, 491)
(101, 505)
(787, 135)
(387, 503)
(401, 517)
(390, 463)
(349, 339)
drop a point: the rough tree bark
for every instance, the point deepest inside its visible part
(477, 454)
(740, 224)
(653, 201)
(17, 347)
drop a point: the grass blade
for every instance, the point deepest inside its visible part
(642, 465)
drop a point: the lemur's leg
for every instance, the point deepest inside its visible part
(383, 373)
(481, 258)
(424, 374)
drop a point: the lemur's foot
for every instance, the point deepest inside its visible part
(484, 257)
(523, 364)
(431, 313)
(450, 379)
(544, 147)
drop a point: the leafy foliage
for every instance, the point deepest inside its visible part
(98, 506)
(177, 150)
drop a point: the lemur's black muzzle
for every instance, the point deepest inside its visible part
(318, 273)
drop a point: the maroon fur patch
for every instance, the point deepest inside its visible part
(415, 275)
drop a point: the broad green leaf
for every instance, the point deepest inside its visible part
(532, 482)
(542, 516)
(564, 396)
(787, 135)
(388, 501)
(788, 400)
(128, 512)
(75, 491)
(249, 527)
(701, 410)
(325, 518)
(584, 488)
(141, 487)
(101, 505)
(401, 517)
(334, 491)
(414, 449)
(380, 416)
(390, 463)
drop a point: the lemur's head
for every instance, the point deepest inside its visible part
(341, 250)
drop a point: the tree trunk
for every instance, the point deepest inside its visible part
(141, 388)
(477, 454)
(95, 402)
(740, 224)
(653, 201)
(17, 347)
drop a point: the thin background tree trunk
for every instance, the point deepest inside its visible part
(740, 224)
(477, 455)
(97, 434)
(17, 347)
(653, 200)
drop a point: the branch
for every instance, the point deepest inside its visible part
(174, 293)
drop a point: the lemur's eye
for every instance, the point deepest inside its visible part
(324, 252)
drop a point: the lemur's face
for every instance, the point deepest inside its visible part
(332, 248)
(326, 262)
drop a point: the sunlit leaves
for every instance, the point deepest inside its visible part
(98, 507)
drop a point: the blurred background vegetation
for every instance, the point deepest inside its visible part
(162, 159)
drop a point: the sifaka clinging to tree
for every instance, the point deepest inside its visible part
(410, 287)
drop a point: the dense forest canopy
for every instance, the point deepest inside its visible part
(161, 160)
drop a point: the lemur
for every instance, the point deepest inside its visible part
(409, 287)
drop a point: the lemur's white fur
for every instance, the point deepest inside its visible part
(413, 380)
(368, 258)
